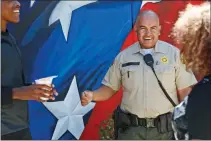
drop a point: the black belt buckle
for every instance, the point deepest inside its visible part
(150, 123)
(134, 120)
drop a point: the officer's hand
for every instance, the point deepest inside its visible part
(40, 93)
(86, 98)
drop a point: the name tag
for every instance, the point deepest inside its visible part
(131, 64)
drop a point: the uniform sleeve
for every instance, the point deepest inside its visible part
(113, 76)
(184, 78)
(6, 95)
(199, 114)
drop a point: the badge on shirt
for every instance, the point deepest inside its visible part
(164, 60)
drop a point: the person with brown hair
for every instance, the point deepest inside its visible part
(192, 118)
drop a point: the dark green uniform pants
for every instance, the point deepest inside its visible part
(143, 133)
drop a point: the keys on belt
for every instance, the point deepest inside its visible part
(146, 122)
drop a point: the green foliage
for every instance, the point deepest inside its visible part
(107, 129)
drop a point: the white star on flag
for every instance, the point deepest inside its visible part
(32, 3)
(146, 1)
(63, 12)
(69, 113)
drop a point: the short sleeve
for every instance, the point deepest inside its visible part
(184, 78)
(113, 76)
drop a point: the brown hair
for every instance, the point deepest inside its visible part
(192, 32)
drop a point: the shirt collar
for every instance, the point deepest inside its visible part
(6, 33)
(159, 48)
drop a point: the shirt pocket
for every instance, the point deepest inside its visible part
(129, 77)
(166, 74)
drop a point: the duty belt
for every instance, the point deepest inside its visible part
(146, 122)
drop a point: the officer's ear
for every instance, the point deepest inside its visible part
(159, 29)
(135, 28)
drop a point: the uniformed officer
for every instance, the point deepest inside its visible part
(145, 110)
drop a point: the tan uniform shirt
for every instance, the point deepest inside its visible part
(141, 93)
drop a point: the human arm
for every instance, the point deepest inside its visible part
(32, 92)
(110, 85)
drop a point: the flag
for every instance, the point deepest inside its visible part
(78, 41)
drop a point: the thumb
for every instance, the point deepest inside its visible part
(85, 94)
(88, 94)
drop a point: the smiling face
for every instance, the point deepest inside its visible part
(147, 29)
(10, 11)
